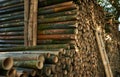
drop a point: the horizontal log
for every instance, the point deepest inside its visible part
(11, 37)
(57, 5)
(11, 14)
(57, 37)
(9, 45)
(58, 31)
(8, 3)
(11, 33)
(12, 24)
(51, 59)
(58, 9)
(60, 25)
(12, 6)
(11, 41)
(64, 13)
(52, 67)
(38, 47)
(20, 16)
(18, 8)
(59, 19)
(12, 29)
(43, 42)
(50, 2)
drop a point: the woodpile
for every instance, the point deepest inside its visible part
(11, 23)
(66, 42)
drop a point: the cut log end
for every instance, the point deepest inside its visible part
(39, 65)
(12, 73)
(41, 58)
(7, 63)
(55, 59)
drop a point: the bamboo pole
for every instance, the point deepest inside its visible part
(52, 59)
(60, 25)
(49, 2)
(20, 16)
(12, 29)
(6, 3)
(11, 37)
(56, 37)
(58, 31)
(9, 45)
(42, 42)
(11, 14)
(11, 41)
(11, 33)
(35, 12)
(12, 24)
(57, 5)
(26, 18)
(58, 9)
(64, 13)
(12, 9)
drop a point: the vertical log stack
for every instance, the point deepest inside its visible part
(11, 23)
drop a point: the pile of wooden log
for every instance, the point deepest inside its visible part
(57, 24)
(11, 23)
(61, 63)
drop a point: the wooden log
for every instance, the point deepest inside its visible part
(59, 19)
(51, 60)
(6, 3)
(64, 13)
(49, 2)
(11, 33)
(52, 67)
(20, 16)
(11, 37)
(57, 5)
(58, 31)
(7, 63)
(43, 42)
(60, 25)
(9, 45)
(11, 14)
(12, 24)
(47, 71)
(11, 6)
(11, 41)
(58, 9)
(18, 8)
(12, 29)
(57, 37)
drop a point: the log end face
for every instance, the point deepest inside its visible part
(39, 65)
(7, 63)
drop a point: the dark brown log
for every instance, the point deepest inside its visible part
(58, 9)
(51, 60)
(56, 37)
(58, 31)
(64, 13)
(58, 25)
(59, 19)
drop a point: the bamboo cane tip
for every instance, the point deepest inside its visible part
(7, 63)
(39, 65)
(41, 58)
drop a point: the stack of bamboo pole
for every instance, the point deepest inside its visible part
(61, 63)
(57, 24)
(11, 23)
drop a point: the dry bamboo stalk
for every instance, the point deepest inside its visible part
(12, 29)
(58, 9)
(64, 13)
(26, 16)
(11, 37)
(57, 5)
(11, 41)
(35, 10)
(59, 19)
(60, 25)
(58, 31)
(11, 33)
(56, 37)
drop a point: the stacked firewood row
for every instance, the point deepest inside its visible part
(11, 23)
(57, 24)
(61, 63)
